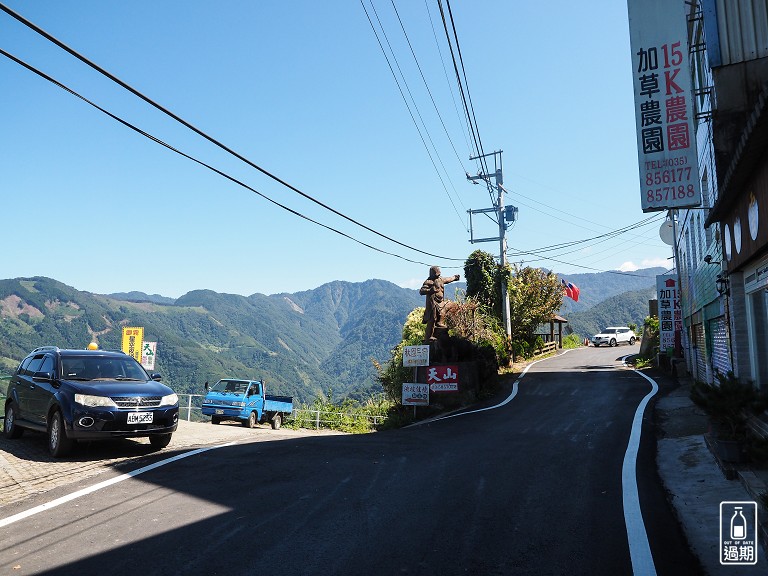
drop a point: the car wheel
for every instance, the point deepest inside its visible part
(58, 443)
(277, 421)
(612, 343)
(10, 428)
(215, 420)
(251, 422)
(632, 341)
(160, 441)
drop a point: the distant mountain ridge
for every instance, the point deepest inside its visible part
(306, 344)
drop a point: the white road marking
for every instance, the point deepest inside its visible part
(100, 485)
(504, 402)
(639, 549)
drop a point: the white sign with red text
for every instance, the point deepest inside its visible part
(670, 313)
(666, 137)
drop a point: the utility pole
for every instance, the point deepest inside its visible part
(504, 215)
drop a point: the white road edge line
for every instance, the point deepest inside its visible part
(100, 485)
(504, 402)
(639, 548)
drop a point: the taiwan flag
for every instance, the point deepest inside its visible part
(571, 290)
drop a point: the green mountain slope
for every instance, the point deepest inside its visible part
(620, 310)
(305, 344)
(598, 287)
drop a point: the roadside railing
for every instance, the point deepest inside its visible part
(190, 409)
(546, 348)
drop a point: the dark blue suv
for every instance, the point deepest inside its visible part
(89, 395)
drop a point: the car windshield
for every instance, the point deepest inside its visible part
(102, 368)
(609, 331)
(230, 386)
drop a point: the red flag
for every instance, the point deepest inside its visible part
(574, 291)
(567, 289)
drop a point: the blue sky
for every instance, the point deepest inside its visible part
(302, 89)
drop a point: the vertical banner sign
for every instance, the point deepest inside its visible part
(133, 338)
(670, 313)
(148, 354)
(666, 139)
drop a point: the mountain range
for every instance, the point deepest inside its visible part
(319, 342)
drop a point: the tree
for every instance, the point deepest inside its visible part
(483, 282)
(534, 297)
(392, 375)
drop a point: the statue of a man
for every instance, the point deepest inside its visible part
(433, 289)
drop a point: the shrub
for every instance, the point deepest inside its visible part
(728, 403)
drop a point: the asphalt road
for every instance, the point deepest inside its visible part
(531, 487)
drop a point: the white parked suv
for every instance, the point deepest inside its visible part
(614, 335)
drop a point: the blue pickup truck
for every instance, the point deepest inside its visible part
(246, 401)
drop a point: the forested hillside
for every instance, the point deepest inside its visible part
(621, 310)
(305, 344)
(598, 287)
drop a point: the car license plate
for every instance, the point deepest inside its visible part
(219, 411)
(140, 417)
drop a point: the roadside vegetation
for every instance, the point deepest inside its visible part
(345, 416)
(650, 344)
(476, 317)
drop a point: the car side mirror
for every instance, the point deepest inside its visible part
(156, 377)
(206, 386)
(43, 376)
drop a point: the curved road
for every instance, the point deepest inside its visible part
(533, 486)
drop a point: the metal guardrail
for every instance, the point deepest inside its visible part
(190, 404)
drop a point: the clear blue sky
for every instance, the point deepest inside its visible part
(302, 89)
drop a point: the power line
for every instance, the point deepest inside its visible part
(216, 170)
(426, 84)
(604, 237)
(199, 132)
(447, 79)
(464, 93)
(402, 94)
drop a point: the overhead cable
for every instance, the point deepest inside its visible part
(213, 169)
(199, 132)
(413, 100)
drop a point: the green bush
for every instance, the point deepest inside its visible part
(346, 416)
(729, 402)
(572, 341)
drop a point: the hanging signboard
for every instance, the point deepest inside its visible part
(670, 313)
(666, 138)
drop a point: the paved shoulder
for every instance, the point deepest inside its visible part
(26, 468)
